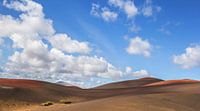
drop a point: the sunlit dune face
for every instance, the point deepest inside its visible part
(19, 83)
(173, 82)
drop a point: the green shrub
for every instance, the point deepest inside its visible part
(48, 103)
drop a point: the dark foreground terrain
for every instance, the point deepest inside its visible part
(146, 94)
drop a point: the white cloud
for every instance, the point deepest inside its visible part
(108, 15)
(189, 59)
(95, 10)
(149, 9)
(117, 3)
(128, 69)
(127, 5)
(141, 73)
(55, 61)
(138, 46)
(130, 9)
(65, 43)
(31, 24)
(104, 13)
(33, 58)
(36, 59)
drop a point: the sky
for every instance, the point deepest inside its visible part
(93, 42)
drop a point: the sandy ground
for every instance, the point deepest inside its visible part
(149, 102)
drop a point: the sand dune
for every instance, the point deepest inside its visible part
(138, 95)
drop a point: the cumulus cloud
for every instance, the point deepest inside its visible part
(35, 59)
(128, 69)
(138, 46)
(65, 43)
(138, 74)
(31, 24)
(148, 9)
(103, 13)
(55, 61)
(130, 9)
(108, 15)
(189, 59)
(127, 6)
(141, 73)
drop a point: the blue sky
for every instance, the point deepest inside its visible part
(111, 40)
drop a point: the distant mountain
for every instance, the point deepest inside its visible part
(64, 83)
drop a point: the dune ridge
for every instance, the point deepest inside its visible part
(173, 82)
(20, 83)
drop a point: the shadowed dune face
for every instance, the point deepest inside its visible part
(32, 91)
(173, 82)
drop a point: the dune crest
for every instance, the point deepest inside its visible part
(173, 82)
(19, 83)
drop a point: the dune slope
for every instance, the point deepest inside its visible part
(150, 102)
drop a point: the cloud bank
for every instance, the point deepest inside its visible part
(51, 60)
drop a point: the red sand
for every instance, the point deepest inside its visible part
(171, 82)
(19, 83)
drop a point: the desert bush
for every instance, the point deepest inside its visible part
(48, 103)
(65, 101)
